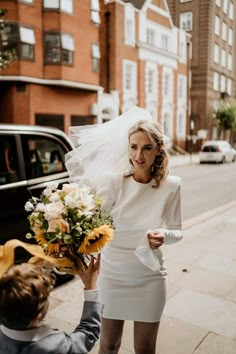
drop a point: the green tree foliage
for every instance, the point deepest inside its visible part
(226, 115)
(7, 55)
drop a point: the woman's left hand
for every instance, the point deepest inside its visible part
(156, 239)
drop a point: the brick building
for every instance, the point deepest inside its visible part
(55, 80)
(212, 26)
(82, 62)
(145, 59)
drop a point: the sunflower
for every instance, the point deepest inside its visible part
(51, 247)
(96, 240)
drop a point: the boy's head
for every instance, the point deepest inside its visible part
(24, 291)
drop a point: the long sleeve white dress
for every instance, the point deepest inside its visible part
(133, 277)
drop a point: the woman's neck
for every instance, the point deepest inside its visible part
(142, 178)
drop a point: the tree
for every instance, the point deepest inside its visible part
(7, 55)
(226, 116)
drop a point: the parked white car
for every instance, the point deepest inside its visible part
(217, 151)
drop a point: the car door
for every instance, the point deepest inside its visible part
(13, 187)
(38, 160)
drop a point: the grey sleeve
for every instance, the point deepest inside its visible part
(81, 341)
(87, 332)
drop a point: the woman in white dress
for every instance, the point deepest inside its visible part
(146, 208)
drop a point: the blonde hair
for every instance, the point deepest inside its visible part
(154, 131)
(24, 291)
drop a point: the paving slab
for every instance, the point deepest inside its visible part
(215, 344)
(205, 311)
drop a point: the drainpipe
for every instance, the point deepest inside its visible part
(107, 17)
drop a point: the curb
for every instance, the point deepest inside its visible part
(209, 214)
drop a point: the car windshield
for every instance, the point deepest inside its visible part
(210, 148)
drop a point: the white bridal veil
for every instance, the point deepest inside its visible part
(102, 148)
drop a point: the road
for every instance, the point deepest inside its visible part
(205, 187)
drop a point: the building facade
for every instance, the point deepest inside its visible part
(144, 58)
(55, 80)
(212, 26)
(82, 62)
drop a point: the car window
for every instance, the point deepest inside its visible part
(9, 168)
(210, 148)
(43, 156)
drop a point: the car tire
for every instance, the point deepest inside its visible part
(234, 159)
(223, 159)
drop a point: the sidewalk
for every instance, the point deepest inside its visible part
(200, 314)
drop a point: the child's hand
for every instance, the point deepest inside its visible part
(90, 275)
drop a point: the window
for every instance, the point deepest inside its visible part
(182, 88)
(150, 79)
(62, 5)
(27, 1)
(223, 58)
(218, 3)
(44, 156)
(129, 25)
(130, 77)
(224, 31)
(95, 12)
(222, 83)
(216, 54)
(230, 36)
(182, 51)
(217, 25)
(9, 168)
(165, 41)
(229, 87)
(58, 48)
(166, 84)
(186, 21)
(225, 6)
(230, 62)
(20, 38)
(185, 0)
(96, 57)
(231, 11)
(181, 125)
(216, 82)
(151, 36)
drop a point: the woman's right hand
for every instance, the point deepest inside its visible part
(90, 275)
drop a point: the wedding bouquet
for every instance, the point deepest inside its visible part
(69, 222)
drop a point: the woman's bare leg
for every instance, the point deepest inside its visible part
(111, 335)
(145, 336)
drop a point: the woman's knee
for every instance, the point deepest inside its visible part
(111, 335)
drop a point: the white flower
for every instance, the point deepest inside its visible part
(54, 210)
(53, 186)
(50, 188)
(79, 199)
(29, 206)
(70, 187)
(54, 197)
(40, 207)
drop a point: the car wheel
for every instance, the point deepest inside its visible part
(233, 159)
(223, 159)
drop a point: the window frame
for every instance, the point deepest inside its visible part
(186, 18)
(62, 51)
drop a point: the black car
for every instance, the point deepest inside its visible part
(30, 158)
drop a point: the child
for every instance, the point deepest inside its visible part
(24, 301)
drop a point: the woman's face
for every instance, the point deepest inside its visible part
(142, 152)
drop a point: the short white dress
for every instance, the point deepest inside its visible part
(133, 277)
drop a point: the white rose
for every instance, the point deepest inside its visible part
(70, 187)
(29, 206)
(40, 207)
(54, 210)
(79, 199)
(54, 197)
